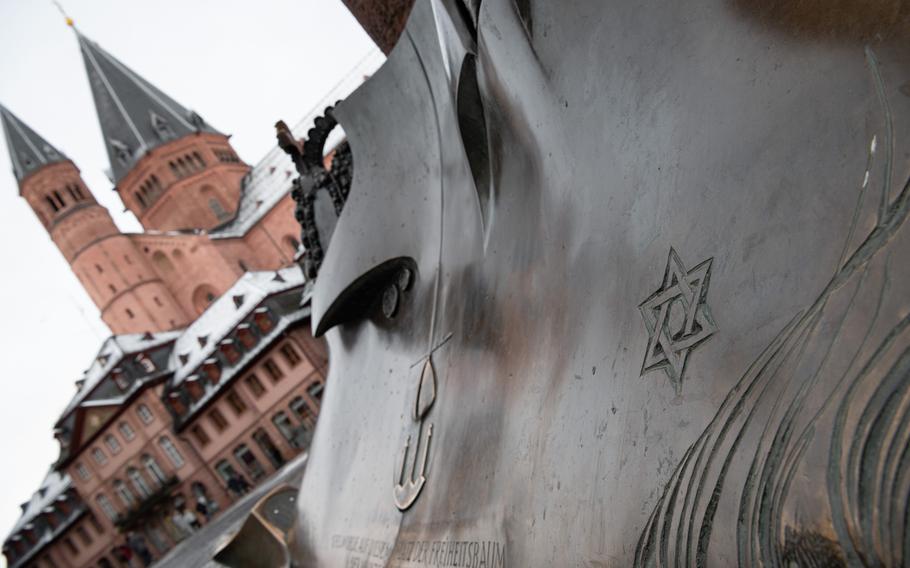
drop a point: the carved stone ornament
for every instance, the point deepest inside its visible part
(589, 196)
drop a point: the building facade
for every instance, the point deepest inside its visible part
(211, 381)
(208, 217)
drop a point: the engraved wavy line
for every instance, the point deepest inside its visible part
(646, 543)
(891, 217)
(777, 454)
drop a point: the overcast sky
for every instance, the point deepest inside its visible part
(241, 65)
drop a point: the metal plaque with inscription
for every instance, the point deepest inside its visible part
(617, 284)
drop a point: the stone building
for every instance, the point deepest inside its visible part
(211, 375)
(207, 216)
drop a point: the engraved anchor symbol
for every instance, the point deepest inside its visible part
(410, 484)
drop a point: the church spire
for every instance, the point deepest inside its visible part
(28, 151)
(135, 116)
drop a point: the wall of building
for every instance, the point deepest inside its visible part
(193, 182)
(102, 480)
(285, 372)
(190, 266)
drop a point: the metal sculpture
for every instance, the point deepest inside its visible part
(493, 299)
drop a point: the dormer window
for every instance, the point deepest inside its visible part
(50, 152)
(63, 503)
(246, 336)
(145, 362)
(176, 401)
(161, 126)
(51, 515)
(120, 379)
(212, 370)
(230, 350)
(194, 387)
(263, 319)
(122, 152)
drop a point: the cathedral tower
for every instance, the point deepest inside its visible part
(170, 167)
(116, 276)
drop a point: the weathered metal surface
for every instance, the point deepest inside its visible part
(262, 539)
(657, 298)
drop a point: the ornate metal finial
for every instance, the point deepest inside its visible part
(308, 158)
(69, 21)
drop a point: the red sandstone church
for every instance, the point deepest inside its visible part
(211, 378)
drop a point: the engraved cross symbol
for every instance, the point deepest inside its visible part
(677, 318)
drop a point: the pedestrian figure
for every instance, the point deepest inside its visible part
(137, 544)
(185, 521)
(124, 555)
(244, 484)
(203, 508)
(234, 485)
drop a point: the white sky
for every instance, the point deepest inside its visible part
(241, 65)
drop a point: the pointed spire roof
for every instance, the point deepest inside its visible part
(135, 115)
(28, 151)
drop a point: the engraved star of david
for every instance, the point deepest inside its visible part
(677, 318)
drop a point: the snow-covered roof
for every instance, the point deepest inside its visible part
(201, 338)
(53, 485)
(109, 356)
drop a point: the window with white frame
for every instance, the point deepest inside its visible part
(170, 450)
(106, 506)
(154, 470)
(82, 471)
(124, 493)
(127, 431)
(139, 483)
(111, 442)
(99, 456)
(145, 414)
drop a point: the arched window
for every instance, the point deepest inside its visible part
(154, 470)
(126, 431)
(170, 450)
(124, 493)
(285, 426)
(210, 198)
(138, 482)
(199, 159)
(52, 203)
(249, 461)
(59, 199)
(225, 470)
(106, 506)
(145, 414)
(72, 193)
(162, 263)
(202, 297)
(111, 442)
(99, 456)
(301, 410)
